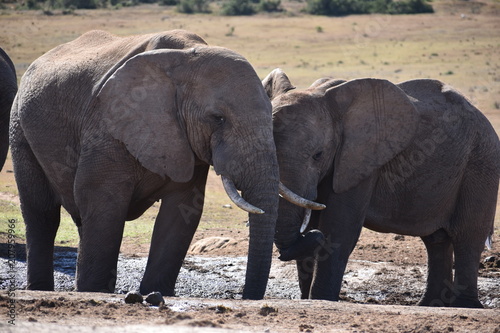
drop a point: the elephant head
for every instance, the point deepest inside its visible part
(332, 135)
(8, 89)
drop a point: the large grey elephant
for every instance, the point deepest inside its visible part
(8, 89)
(104, 126)
(414, 158)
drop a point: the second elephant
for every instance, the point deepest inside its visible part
(414, 158)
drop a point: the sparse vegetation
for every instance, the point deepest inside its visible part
(244, 7)
(349, 7)
(193, 6)
(238, 7)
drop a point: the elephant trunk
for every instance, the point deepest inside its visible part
(262, 226)
(289, 239)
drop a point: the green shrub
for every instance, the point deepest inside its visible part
(83, 4)
(409, 7)
(237, 7)
(269, 6)
(348, 7)
(193, 6)
(168, 2)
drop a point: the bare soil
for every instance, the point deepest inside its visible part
(386, 264)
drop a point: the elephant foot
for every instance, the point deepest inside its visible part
(304, 247)
(167, 292)
(434, 302)
(466, 302)
(40, 286)
(459, 302)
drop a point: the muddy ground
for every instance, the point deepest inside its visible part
(384, 280)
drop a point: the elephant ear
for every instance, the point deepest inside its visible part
(378, 120)
(276, 83)
(139, 108)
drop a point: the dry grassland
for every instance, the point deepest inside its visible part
(459, 44)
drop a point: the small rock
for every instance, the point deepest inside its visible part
(489, 259)
(222, 309)
(133, 297)
(155, 298)
(399, 237)
(227, 206)
(266, 310)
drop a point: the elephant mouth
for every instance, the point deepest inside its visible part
(305, 246)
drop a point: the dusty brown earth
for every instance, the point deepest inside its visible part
(94, 312)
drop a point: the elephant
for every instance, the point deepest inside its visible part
(8, 89)
(104, 126)
(414, 158)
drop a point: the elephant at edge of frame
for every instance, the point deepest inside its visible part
(105, 126)
(8, 89)
(414, 158)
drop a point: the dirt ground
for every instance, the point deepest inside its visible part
(94, 312)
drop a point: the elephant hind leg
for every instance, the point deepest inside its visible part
(41, 213)
(439, 289)
(472, 224)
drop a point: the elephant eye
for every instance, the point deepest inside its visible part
(317, 156)
(219, 120)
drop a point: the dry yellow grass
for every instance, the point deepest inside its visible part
(461, 50)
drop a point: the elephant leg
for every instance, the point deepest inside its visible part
(175, 225)
(439, 290)
(472, 222)
(41, 213)
(103, 197)
(341, 223)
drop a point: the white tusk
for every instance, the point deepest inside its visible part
(305, 221)
(298, 200)
(233, 194)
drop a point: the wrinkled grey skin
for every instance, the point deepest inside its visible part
(8, 89)
(105, 126)
(414, 158)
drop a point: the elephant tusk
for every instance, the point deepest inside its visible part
(298, 200)
(305, 221)
(233, 194)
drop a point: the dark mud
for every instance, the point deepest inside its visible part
(223, 278)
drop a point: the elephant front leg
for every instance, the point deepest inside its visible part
(103, 196)
(341, 223)
(175, 225)
(101, 232)
(331, 261)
